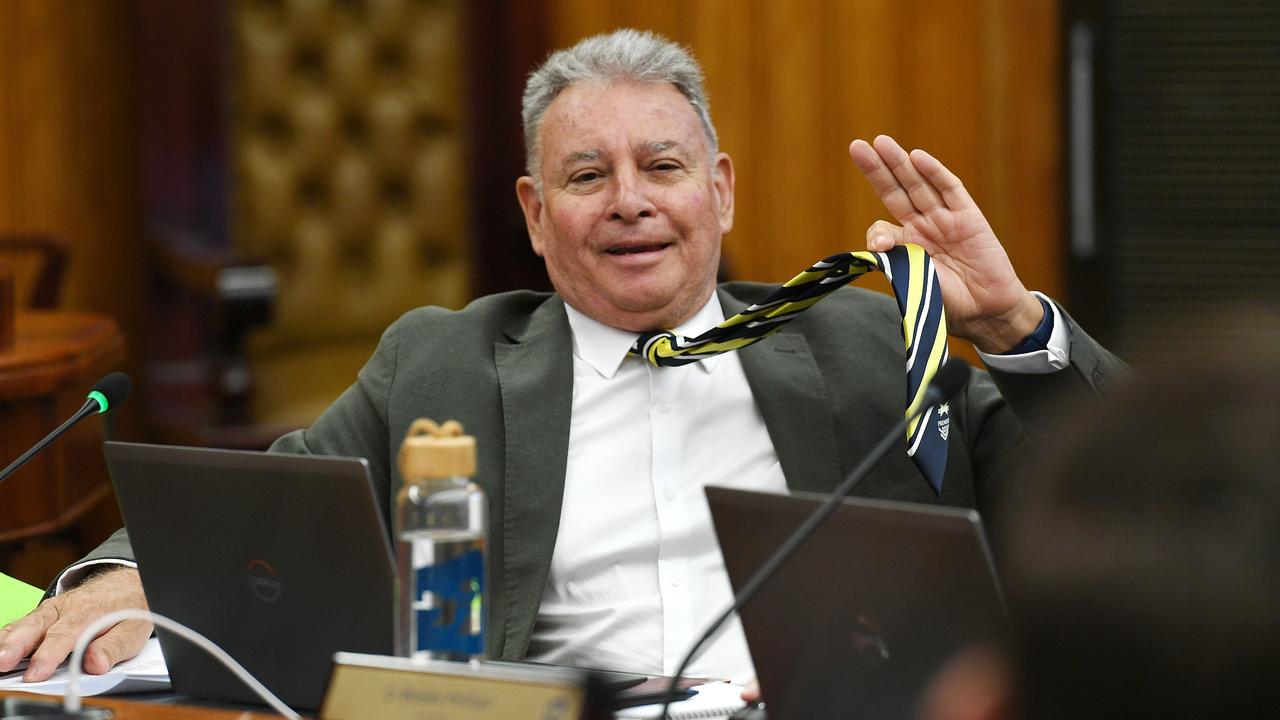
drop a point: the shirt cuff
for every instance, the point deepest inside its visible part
(74, 575)
(1056, 355)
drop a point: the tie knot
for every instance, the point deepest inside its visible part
(655, 346)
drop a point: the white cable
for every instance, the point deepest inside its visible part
(72, 701)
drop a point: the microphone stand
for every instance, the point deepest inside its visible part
(111, 390)
(90, 407)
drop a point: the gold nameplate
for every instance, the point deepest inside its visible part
(392, 688)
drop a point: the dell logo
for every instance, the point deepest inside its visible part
(263, 582)
(868, 641)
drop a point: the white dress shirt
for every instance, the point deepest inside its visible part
(1056, 355)
(637, 574)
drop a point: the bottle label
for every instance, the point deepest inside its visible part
(453, 619)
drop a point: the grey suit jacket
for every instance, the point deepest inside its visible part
(827, 385)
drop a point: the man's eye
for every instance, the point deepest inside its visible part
(665, 166)
(585, 177)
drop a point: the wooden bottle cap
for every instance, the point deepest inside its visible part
(437, 451)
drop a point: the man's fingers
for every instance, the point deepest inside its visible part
(882, 180)
(923, 195)
(58, 642)
(948, 185)
(22, 636)
(118, 644)
(882, 236)
(48, 634)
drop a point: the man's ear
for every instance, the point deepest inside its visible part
(722, 177)
(531, 205)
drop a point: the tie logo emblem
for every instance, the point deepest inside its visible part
(944, 420)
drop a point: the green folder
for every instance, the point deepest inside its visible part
(16, 598)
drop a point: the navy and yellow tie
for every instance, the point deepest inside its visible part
(924, 330)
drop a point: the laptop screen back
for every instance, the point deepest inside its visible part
(859, 620)
(281, 560)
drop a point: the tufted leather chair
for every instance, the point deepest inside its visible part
(347, 162)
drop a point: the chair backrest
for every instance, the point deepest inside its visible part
(38, 264)
(347, 156)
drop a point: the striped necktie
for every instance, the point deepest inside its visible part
(924, 330)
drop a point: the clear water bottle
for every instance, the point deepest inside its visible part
(441, 528)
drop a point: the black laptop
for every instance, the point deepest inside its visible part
(866, 612)
(281, 560)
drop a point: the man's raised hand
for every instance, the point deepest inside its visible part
(985, 301)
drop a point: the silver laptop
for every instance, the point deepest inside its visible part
(859, 620)
(281, 560)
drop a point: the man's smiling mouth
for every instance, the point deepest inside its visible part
(637, 249)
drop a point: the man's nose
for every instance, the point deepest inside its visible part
(630, 200)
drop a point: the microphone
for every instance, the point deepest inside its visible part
(109, 392)
(946, 382)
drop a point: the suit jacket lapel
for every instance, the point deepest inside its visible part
(535, 375)
(795, 404)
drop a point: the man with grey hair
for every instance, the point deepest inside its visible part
(601, 551)
(626, 55)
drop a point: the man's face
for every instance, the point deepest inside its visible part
(633, 204)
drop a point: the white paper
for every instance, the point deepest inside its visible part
(144, 673)
(714, 701)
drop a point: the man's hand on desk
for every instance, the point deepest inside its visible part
(48, 634)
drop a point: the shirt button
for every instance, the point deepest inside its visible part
(664, 409)
(675, 582)
(669, 494)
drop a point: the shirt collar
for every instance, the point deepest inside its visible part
(605, 348)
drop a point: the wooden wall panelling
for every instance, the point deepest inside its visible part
(722, 33)
(571, 20)
(789, 103)
(68, 163)
(68, 168)
(9, 126)
(868, 81)
(1031, 165)
(665, 17)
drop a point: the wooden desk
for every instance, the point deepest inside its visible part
(125, 709)
(45, 374)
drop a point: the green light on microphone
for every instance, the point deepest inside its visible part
(102, 400)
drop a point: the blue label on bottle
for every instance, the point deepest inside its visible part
(455, 622)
